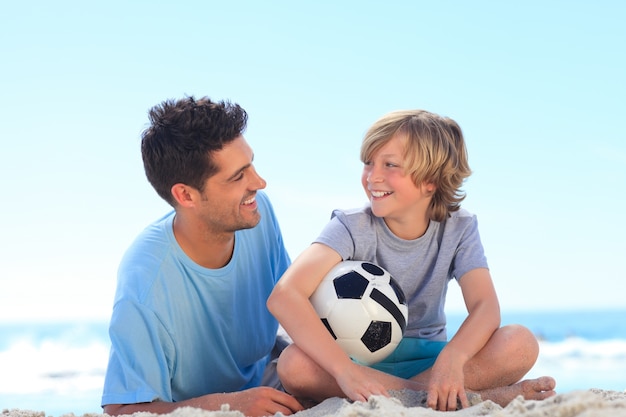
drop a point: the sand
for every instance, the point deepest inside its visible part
(590, 403)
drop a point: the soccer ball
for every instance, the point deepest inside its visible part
(363, 308)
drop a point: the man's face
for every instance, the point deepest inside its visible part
(229, 197)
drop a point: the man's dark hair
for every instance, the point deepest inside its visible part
(177, 146)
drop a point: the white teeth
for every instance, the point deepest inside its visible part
(250, 201)
(380, 193)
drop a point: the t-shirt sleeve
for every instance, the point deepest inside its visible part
(470, 253)
(274, 237)
(139, 369)
(337, 236)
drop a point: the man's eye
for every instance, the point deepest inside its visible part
(238, 177)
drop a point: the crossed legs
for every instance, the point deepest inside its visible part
(493, 373)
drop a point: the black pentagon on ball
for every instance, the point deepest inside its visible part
(351, 285)
(377, 335)
(373, 269)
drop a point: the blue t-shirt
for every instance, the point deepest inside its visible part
(179, 330)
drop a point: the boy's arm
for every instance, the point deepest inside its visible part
(259, 401)
(483, 310)
(447, 378)
(289, 303)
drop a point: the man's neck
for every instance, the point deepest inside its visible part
(207, 249)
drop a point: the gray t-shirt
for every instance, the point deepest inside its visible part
(423, 267)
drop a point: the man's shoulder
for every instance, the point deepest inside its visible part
(149, 249)
(264, 203)
(155, 234)
(263, 196)
(268, 216)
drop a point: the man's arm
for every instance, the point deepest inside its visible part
(260, 401)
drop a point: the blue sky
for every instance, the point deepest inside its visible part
(538, 88)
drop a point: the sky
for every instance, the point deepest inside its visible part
(537, 87)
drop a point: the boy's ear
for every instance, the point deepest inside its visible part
(183, 194)
(429, 187)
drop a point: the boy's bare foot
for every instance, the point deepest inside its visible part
(531, 389)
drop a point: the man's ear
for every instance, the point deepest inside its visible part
(183, 194)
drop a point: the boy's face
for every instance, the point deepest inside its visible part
(391, 191)
(228, 200)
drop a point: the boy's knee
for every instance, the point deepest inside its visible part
(524, 336)
(523, 342)
(291, 358)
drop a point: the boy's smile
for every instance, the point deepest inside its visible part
(392, 193)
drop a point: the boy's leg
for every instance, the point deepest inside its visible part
(508, 355)
(495, 372)
(307, 381)
(270, 375)
(303, 378)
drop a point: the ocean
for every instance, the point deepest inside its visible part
(59, 367)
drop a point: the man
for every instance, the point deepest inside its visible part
(189, 325)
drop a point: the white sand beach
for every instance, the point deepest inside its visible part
(589, 403)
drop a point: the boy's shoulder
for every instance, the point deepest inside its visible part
(459, 221)
(462, 214)
(357, 214)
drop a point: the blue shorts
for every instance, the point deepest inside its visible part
(411, 357)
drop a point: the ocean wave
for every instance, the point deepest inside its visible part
(585, 350)
(63, 364)
(579, 364)
(52, 366)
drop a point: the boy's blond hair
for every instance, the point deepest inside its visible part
(435, 153)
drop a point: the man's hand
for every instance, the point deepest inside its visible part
(263, 401)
